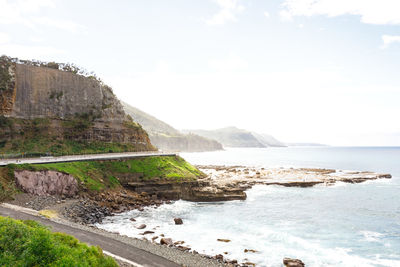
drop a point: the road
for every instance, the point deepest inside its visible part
(138, 256)
(108, 156)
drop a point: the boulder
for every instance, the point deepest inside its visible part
(147, 232)
(288, 262)
(166, 241)
(142, 226)
(178, 221)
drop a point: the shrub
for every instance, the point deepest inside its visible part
(27, 243)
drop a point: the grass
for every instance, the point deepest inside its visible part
(7, 185)
(45, 136)
(28, 243)
(99, 175)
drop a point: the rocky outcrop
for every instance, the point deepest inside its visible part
(242, 178)
(51, 93)
(46, 183)
(199, 191)
(68, 106)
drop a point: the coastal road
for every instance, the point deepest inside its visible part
(106, 156)
(138, 256)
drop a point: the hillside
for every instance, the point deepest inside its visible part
(58, 108)
(167, 138)
(268, 140)
(234, 137)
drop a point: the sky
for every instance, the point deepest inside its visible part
(324, 71)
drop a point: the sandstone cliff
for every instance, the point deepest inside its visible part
(167, 138)
(62, 110)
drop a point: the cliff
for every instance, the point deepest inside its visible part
(46, 109)
(167, 138)
(234, 137)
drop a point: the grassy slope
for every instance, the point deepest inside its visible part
(98, 175)
(38, 136)
(27, 243)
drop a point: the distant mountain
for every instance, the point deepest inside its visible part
(268, 140)
(166, 137)
(150, 124)
(235, 137)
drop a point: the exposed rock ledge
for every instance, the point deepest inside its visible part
(221, 184)
(242, 178)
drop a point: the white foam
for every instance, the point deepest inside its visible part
(202, 228)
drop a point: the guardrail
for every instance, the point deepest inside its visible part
(86, 157)
(22, 155)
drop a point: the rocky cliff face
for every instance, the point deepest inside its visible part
(73, 107)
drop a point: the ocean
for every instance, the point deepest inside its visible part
(340, 225)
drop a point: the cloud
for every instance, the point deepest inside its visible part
(231, 63)
(59, 24)
(280, 100)
(370, 11)
(229, 10)
(266, 14)
(389, 39)
(4, 38)
(285, 15)
(25, 12)
(29, 52)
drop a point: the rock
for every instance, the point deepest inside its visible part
(178, 221)
(250, 250)
(183, 248)
(288, 262)
(132, 219)
(166, 241)
(142, 226)
(223, 240)
(219, 257)
(147, 232)
(46, 183)
(86, 212)
(249, 264)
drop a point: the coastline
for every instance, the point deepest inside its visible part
(220, 179)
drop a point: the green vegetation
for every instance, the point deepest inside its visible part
(42, 136)
(56, 95)
(27, 243)
(99, 175)
(7, 185)
(5, 77)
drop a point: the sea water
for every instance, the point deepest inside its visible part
(341, 225)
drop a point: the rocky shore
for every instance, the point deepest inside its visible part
(220, 184)
(241, 178)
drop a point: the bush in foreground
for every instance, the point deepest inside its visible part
(27, 243)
